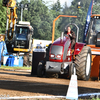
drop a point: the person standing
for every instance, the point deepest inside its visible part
(3, 49)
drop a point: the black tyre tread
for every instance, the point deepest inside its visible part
(71, 70)
(40, 69)
(83, 59)
(52, 75)
(83, 54)
(80, 63)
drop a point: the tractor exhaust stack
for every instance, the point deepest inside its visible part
(62, 36)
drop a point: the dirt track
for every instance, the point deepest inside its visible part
(21, 83)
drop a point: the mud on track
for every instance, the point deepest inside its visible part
(21, 83)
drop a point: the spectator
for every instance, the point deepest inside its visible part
(3, 49)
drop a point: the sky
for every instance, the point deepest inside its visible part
(61, 1)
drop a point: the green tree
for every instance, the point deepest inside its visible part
(2, 18)
(40, 18)
(56, 10)
(81, 13)
(96, 7)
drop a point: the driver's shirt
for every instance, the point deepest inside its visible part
(68, 33)
(72, 33)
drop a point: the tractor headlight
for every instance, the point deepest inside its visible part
(52, 55)
(58, 56)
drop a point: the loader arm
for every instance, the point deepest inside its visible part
(11, 18)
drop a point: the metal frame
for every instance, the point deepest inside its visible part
(53, 31)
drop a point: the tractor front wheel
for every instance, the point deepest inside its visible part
(41, 69)
(71, 69)
(83, 63)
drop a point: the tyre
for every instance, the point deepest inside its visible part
(26, 60)
(83, 63)
(52, 75)
(40, 69)
(71, 69)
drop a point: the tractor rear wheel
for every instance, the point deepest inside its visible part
(83, 63)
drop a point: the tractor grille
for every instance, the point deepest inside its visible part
(56, 52)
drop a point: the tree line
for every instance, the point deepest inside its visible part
(41, 16)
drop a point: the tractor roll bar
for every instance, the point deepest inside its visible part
(53, 30)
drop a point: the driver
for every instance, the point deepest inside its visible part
(71, 35)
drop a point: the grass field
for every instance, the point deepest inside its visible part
(15, 68)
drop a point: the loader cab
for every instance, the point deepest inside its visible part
(94, 30)
(23, 36)
(21, 33)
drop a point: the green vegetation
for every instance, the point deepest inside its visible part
(15, 68)
(41, 16)
(2, 18)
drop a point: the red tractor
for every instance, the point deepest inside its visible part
(61, 59)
